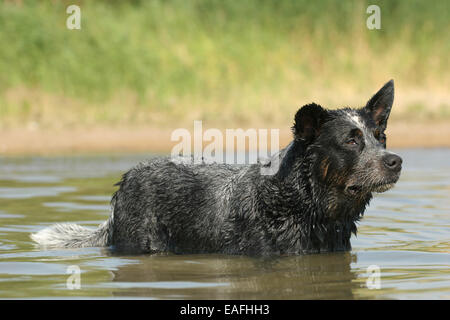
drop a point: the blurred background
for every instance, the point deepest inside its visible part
(80, 107)
(136, 70)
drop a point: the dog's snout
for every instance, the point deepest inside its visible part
(393, 162)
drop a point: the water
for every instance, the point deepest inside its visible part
(405, 233)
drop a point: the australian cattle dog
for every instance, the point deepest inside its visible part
(325, 179)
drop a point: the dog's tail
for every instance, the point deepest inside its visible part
(70, 235)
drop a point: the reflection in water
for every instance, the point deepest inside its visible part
(405, 232)
(324, 276)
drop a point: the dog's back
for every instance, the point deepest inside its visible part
(170, 206)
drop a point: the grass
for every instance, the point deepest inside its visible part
(165, 63)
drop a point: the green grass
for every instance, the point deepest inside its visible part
(141, 61)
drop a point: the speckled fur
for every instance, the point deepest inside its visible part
(306, 207)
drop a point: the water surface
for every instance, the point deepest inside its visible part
(405, 234)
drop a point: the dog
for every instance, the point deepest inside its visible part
(324, 182)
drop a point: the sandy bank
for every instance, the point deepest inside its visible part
(128, 139)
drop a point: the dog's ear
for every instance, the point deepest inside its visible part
(308, 121)
(379, 106)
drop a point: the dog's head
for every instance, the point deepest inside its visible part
(349, 145)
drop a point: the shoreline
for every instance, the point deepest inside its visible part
(37, 142)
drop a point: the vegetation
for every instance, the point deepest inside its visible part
(167, 62)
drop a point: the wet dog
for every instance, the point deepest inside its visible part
(324, 182)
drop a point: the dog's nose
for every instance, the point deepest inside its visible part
(393, 162)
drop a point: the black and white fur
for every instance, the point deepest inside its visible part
(326, 178)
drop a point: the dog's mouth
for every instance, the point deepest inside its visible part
(358, 189)
(383, 187)
(354, 189)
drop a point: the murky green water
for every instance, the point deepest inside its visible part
(405, 233)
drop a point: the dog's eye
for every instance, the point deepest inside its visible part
(382, 138)
(376, 134)
(352, 142)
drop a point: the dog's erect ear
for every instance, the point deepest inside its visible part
(379, 106)
(308, 121)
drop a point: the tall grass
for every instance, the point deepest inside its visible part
(250, 61)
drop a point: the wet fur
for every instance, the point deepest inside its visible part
(310, 205)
